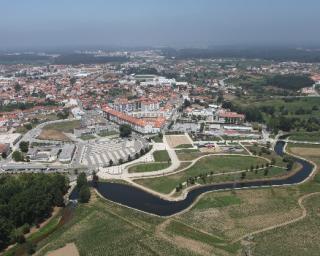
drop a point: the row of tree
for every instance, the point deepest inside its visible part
(27, 200)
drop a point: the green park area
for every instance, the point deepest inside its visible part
(204, 166)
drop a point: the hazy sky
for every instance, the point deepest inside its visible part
(57, 23)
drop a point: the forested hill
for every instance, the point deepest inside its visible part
(267, 53)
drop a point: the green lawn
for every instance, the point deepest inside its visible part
(157, 139)
(87, 137)
(267, 153)
(161, 156)
(214, 164)
(149, 167)
(184, 146)
(66, 126)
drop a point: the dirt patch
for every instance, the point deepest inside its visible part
(305, 151)
(53, 135)
(67, 250)
(176, 140)
(212, 150)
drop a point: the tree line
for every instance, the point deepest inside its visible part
(26, 200)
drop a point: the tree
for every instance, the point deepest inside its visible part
(24, 146)
(95, 179)
(243, 175)
(82, 180)
(17, 87)
(4, 155)
(84, 194)
(125, 130)
(28, 126)
(17, 156)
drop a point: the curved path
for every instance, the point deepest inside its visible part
(138, 199)
(301, 217)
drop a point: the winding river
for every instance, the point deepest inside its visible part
(136, 198)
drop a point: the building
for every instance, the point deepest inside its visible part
(227, 117)
(144, 126)
(5, 149)
(67, 152)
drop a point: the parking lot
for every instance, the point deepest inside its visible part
(101, 152)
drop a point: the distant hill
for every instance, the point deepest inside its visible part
(268, 53)
(76, 59)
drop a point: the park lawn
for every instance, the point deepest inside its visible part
(162, 184)
(189, 154)
(161, 156)
(149, 167)
(305, 136)
(257, 150)
(66, 126)
(87, 137)
(215, 164)
(184, 146)
(157, 139)
(108, 133)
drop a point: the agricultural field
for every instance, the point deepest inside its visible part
(103, 228)
(305, 136)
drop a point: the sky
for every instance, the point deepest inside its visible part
(174, 23)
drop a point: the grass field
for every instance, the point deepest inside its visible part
(189, 154)
(215, 164)
(87, 137)
(149, 167)
(161, 156)
(305, 136)
(66, 126)
(53, 135)
(258, 150)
